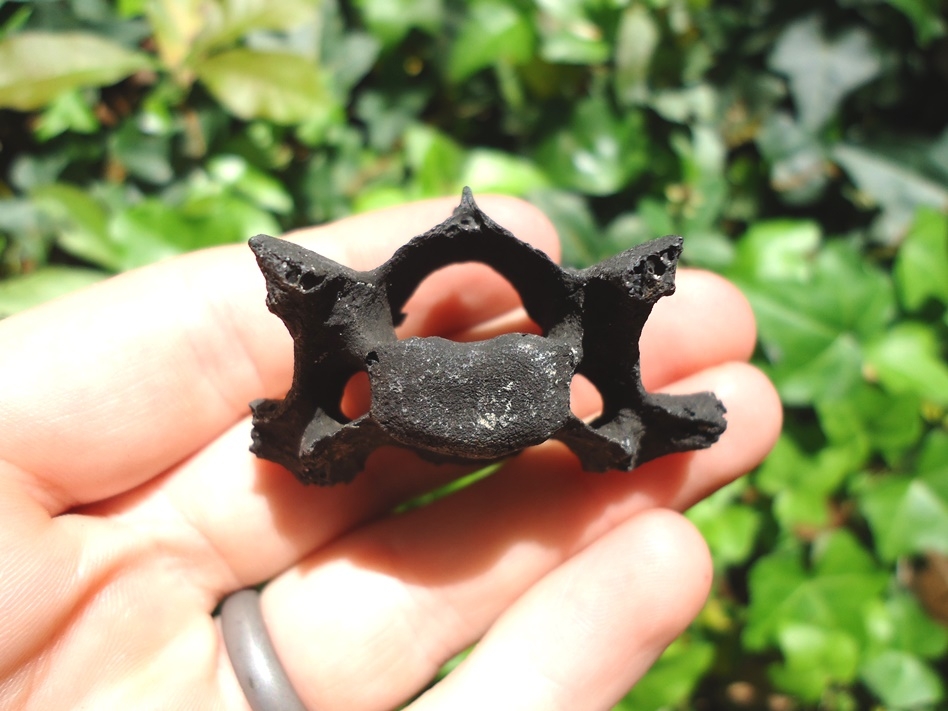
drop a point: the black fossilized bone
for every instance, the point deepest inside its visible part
(478, 401)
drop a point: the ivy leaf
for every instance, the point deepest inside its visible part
(813, 330)
(567, 35)
(283, 88)
(907, 359)
(493, 32)
(814, 658)
(823, 71)
(902, 680)
(487, 170)
(36, 67)
(575, 224)
(909, 515)
(897, 189)
(777, 250)
(921, 266)
(833, 594)
(636, 40)
(390, 20)
(82, 224)
(671, 681)
(900, 623)
(801, 485)
(23, 292)
(599, 152)
(729, 527)
(436, 160)
(873, 420)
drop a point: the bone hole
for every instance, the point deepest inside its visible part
(487, 305)
(585, 400)
(356, 396)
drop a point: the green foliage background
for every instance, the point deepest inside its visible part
(801, 148)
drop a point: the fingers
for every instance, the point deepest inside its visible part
(407, 592)
(706, 320)
(109, 387)
(585, 633)
(260, 520)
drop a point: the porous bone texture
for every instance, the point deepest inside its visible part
(470, 402)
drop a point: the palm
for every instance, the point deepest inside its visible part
(132, 506)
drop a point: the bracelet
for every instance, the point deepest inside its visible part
(258, 670)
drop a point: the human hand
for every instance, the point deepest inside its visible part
(131, 506)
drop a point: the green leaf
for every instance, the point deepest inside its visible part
(777, 250)
(68, 112)
(390, 20)
(226, 21)
(148, 158)
(926, 17)
(813, 331)
(636, 40)
(388, 114)
(908, 359)
(487, 170)
(23, 292)
(833, 595)
(265, 191)
(493, 31)
(921, 267)
(814, 659)
(906, 516)
(599, 152)
(435, 159)
(873, 420)
(901, 623)
(567, 34)
(799, 167)
(801, 485)
(896, 188)
(823, 71)
(36, 67)
(283, 88)
(902, 680)
(673, 678)
(579, 233)
(730, 528)
(82, 224)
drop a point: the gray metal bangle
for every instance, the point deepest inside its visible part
(251, 653)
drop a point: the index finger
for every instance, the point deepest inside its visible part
(105, 389)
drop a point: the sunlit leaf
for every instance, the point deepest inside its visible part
(896, 188)
(814, 659)
(921, 267)
(493, 31)
(284, 88)
(823, 70)
(907, 358)
(82, 224)
(909, 514)
(636, 39)
(832, 596)
(390, 20)
(599, 152)
(435, 159)
(36, 67)
(495, 171)
(902, 680)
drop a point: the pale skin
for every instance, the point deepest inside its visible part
(131, 506)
